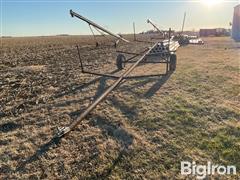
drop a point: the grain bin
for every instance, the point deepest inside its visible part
(236, 23)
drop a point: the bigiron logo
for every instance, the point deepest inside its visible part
(201, 171)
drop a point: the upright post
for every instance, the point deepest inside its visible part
(183, 21)
(168, 59)
(169, 35)
(80, 59)
(134, 33)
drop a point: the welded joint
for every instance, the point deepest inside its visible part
(62, 131)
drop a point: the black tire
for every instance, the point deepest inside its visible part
(183, 41)
(120, 61)
(173, 62)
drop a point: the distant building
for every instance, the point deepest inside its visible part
(191, 33)
(214, 32)
(207, 32)
(236, 23)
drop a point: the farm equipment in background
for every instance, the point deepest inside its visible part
(184, 39)
(161, 52)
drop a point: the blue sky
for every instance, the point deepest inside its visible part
(36, 17)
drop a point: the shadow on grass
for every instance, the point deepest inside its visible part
(157, 85)
(107, 172)
(82, 86)
(101, 87)
(118, 133)
(10, 126)
(128, 140)
(41, 151)
(162, 79)
(114, 130)
(126, 110)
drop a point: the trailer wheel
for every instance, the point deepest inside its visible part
(173, 62)
(120, 61)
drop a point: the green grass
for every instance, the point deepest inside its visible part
(232, 68)
(223, 145)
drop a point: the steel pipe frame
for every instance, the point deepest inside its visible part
(65, 130)
(134, 54)
(143, 41)
(127, 77)
(127, 61)
(125, 52)
(172, 48)
(106, 75)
